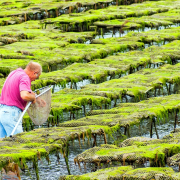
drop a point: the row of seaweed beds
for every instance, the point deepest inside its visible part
(31, 140)
(140, 85)
(38, 144)
(47, 134)
(22, 53)
(17, 12)
(154, 110)
(84, 21)
(101, 48)
(32, 32)
(129, 153)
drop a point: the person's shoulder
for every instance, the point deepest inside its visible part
(21, 73)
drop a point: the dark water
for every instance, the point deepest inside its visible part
(108, 33)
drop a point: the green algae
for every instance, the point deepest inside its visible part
(150, 21)
(117, 23)
(67, 96)
(109, 13)
(8, 65)
(158, 36)
(100, 174)
(133, 150)
(129, 114)
(135, 23)
(147, 57)
(23, 11)
(53, 52)
(155, 151)
(66, 102)
(53, 62)
(127, 173)
(96, 101)
(63, 104)
(42, 141)
(151, 173)
(139, 141)
(33, 30)
(159, 19)
(78, 72)
(125, 61)
(137, 85)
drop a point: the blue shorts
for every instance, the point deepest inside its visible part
(9, 115)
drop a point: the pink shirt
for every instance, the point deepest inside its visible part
(16, 82)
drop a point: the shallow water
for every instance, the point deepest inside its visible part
(109, 33)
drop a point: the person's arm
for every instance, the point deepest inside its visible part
(28, 96)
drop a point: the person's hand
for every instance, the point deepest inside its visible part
(34, 101)
(40, 102)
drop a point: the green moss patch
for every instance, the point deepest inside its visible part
(136, 150)
(8, 65)
(126, 172)
(33, 30)
(154, 153)
(115, 172)
(128, 114)
(2, 80)
(40, 142)
(84, 20)
(159, 19)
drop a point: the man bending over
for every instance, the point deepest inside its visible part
(16, 92)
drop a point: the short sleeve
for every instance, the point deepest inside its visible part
(25, 84)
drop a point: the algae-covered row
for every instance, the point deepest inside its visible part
(128, 114)
(29, 146)
(127, 172)
(17, 12)
(137, 150)
(122, 90)
(55, 54)
(100, 49)
(143, 84)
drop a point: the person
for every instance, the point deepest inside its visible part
(15, 94)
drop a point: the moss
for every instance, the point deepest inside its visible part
(150, 173)
(99, 174)
(154, 153)
(117, 23)
(107, 14)
(129, 114)
(41, 141)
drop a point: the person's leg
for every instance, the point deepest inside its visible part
(2, 131)
(11, 117)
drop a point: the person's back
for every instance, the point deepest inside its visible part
(17, 81)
